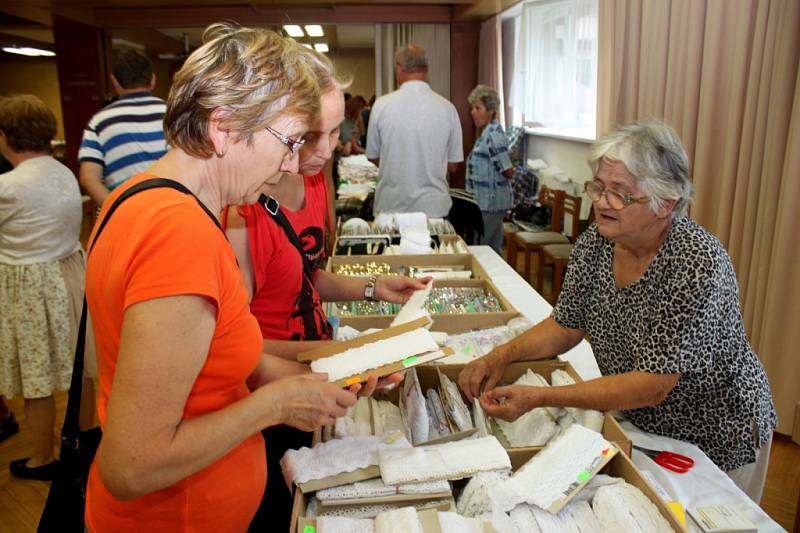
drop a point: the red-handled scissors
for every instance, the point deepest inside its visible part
(669, 460)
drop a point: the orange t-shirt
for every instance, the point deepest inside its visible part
(161, 243)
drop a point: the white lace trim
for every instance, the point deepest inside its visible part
(336, 456)
(375, 354)
(451, 460)
(624, 508)
(376, 487)
(548, 475)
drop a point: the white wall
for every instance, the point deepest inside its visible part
(570, 157)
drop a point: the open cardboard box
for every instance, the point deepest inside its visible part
(621, 466)
(450, 324)
(302, 524)
(395, 262)
(342, 245)
(611, 431)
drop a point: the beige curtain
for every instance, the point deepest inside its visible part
(434, 38)
(490, 60)
(725, 75)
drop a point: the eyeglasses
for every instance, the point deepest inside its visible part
(614, 199)
(292, 144)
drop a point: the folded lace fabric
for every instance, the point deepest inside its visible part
(548, 475)
(412, 408)
(450, 522)
(357, 421)
(336, 456)
(625, 509)
(374, 488)
(481, 419)
(343, 524)
(534, 428)
(474, 499)
(450, 460)
(367, 511)
(439, 426)
(414, 308)
(403, 520)
(454, 404)
(387, 417)
(375, 354)
(574, 518)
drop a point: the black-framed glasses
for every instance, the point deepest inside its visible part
(615, 200)
(292, 144)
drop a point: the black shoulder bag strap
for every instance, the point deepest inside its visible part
(71, 431)
(273, 208)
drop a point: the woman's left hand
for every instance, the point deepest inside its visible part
(510, 402)
(374, 383)
(398, 289)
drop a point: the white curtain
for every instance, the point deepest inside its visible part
(490, 60)
(555, 75)
(434, 38)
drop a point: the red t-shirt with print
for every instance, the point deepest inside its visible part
(285, 301)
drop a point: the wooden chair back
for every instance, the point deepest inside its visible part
(554, 199)
(572, 207)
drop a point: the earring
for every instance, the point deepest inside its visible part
(221, 153)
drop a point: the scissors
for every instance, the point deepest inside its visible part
(671, 461)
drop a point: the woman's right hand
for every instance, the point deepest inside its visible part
(482, 374)
(308, 401)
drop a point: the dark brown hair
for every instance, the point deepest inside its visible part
(28, 123)
(131, 68)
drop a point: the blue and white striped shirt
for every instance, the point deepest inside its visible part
(485, 164)
(125, 137)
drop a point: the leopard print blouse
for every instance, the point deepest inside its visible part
(682, 316)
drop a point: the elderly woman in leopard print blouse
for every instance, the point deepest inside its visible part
(656, 295)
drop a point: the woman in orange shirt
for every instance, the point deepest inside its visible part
(184, 386)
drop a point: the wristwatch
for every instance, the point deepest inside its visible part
(369, 289)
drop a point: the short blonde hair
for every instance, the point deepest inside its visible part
(325, 72)
(255, 73)
(28, 123)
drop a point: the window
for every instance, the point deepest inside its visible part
(554, 82)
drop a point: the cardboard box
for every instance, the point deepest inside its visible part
(450, 324)
(355, 245)
(508, 311)
(397, 262)
(301, 524)
(621, 466)
(611, 431)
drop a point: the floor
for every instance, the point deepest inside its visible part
(21, 501)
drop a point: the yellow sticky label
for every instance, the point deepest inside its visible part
(679, 512)
(352, 381)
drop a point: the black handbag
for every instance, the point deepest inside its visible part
(66, 500)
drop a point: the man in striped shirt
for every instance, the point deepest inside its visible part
(127, 136)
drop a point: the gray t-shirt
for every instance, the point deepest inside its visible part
(415, 133)
(682, 316)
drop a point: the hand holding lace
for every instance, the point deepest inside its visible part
(511, 402)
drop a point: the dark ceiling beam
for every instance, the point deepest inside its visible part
(154, 41)
(37, 15)
(165, 17)
(481, 9)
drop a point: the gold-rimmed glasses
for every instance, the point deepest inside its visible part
(292, 144)
(615, 200)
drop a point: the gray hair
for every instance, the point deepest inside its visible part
(652, 151)
(411, 58)
(487, 95)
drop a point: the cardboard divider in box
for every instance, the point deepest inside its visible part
(450, 324)
(621, 466)
(400, 263)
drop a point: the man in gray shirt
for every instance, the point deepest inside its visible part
(415, 138)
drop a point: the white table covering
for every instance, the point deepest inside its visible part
(705, 484)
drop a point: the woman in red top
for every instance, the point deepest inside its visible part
(184, 386)
(286, 302)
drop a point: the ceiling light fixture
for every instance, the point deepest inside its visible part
(293, 30)
(321, 47)
(28, 51)
(314, 30)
